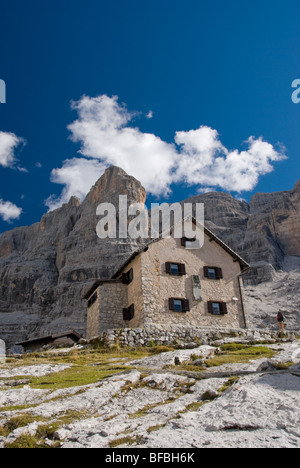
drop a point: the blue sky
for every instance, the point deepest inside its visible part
(188, 96)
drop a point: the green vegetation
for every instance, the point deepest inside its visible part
(25, 441)
(74, 376)
(21, 420)
(128, 440)
(237, 353)
(155, 428)
(88, 365)
(93, 364)
(228, 384)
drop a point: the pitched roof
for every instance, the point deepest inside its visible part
(49, 338)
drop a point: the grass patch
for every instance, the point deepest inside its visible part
(21, 420)
(44, 431)
(193, 406)
(25, 441)
(283, 365)
(159, 349)
(125, 441)
(228, 384)
(74, 376)
(155, 428)
(89, 365)
(144, 411)
(237, 353)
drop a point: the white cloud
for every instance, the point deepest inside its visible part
(197, 157)
(77, 175)
(8, 145)
(205, 161)
(9, 211)
(103, 131)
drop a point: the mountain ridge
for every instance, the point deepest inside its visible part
(45, 267)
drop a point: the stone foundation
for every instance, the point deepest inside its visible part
(181, 336)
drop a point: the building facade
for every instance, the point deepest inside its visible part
(172, 281)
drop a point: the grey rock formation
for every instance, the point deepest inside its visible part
(46, 267)
(264, 232)
(157, 408)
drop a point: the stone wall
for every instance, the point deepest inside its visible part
(107, 311)
(135, 293)
(158, 286)
(181, 336)
(113, 298)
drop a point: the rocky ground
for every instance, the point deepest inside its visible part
(220, 395)
(283, 292)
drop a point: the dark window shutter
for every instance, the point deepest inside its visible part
(219, 273)
(171, 304)
(210, 307)
(168, 268)
(206, 274)
(223, 307)
(131, 312)
(182, 270)
(127, 278)
(130, 276)
(128, 313)
(92, 299)
(125, 314)
(186, 305)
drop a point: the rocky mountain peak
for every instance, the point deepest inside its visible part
(297, 186)
(46, 267)
(114, 182)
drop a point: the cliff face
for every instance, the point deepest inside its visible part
(263, 232)
(44, 268)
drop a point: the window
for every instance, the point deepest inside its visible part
(217, 308)
(213, 273)
(92, 299)
(127, 278)
(128, 313)
(175, 269)
(179, 305)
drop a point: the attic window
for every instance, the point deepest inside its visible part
(217, 308)
(127, 278)
(175, 269)
(213, 273)
(128, 313)
(179, 305)
(92, 299)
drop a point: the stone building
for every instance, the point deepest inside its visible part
(172, 282)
